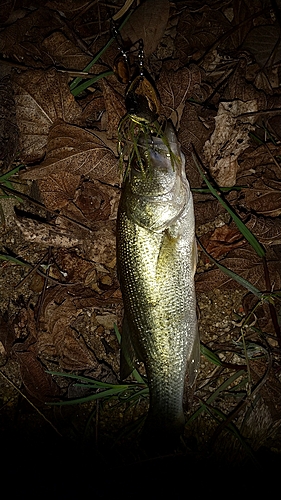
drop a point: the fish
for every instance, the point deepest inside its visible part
(156, 262)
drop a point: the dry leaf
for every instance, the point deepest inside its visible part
(222, 240)
(148, 22)
(22, 39)
(115, 108)
(264, 197)
(60, 339)
(42, 97)
(197, 31)
(230, 138)
(78, 151)
(263, 42)
(196, 127)
(8, 125)
(58, 189)
(63, 51)
(175, 87)
(246, 263)
(266, 229)
(39, 384)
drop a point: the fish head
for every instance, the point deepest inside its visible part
(157, 195)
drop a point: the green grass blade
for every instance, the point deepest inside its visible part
(77, 80)
(241, 226)
(234, 276)
(221, 388)
(100, 395)
(14, 260)
(86, 381)
(9, 174)
(210, 355)
(90, 82)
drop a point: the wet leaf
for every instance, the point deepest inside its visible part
(245, 263)
(79, 151)
(148, 22)
(42, 97)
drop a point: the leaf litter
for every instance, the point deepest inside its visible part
(223, 96)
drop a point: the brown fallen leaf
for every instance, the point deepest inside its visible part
(148, 23)
(115, 108)
(58, 189)
(197, 31)
(196, 127)
(57, 337)
(42, 98)
(21, 40)
(229, 139)
(63, 51)
(9, 134)
(266, 229)
(39, 384)
(175, 87)
(263, 42)
(81, 152)
(246, 263)
(264, 197)
(222, 240)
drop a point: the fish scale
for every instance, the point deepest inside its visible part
(156, 257)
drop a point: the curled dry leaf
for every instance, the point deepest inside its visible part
(148, 23)
(230, 138)
(94, 202)
(72, 149)
(42, 97)
(246, 263)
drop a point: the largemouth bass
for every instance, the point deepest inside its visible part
(156, 257)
